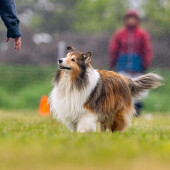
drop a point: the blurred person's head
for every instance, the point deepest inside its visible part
(131, 19)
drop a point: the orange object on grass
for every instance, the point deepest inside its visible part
(44, 107)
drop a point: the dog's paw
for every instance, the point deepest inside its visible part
(87, 123)
(86, 130)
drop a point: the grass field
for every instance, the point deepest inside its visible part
(28, 141)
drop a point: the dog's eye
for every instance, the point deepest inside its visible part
(73, 59)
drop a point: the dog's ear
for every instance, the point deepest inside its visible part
(69, 48)
(87, 57)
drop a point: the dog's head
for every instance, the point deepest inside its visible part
(75, 61)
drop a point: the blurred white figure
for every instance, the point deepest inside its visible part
(42, 38)
(61, 49)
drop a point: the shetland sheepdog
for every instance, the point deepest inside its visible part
(83, 96)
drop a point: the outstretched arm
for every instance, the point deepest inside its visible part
(9, 17)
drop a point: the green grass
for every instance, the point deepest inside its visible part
(28, 141)
(158, 99)
(22, 86)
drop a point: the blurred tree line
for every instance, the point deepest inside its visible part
(73, 15)
(92, 15)
(158, 17)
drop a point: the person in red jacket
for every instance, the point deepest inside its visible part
(130, 49)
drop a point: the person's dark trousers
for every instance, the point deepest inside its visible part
(138, 107)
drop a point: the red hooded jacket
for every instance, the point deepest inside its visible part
(127, 41)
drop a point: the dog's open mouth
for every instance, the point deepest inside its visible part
(64, 68)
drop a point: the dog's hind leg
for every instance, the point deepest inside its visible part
(87, 123)
(103, 126)
(121, 120)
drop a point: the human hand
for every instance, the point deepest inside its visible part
(17, 43)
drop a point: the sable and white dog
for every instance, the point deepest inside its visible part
(82, 95)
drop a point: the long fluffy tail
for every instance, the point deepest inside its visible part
(144, 83)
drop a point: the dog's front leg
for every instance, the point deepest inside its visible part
(71, 126)
(87, 123)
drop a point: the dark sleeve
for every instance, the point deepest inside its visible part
(9, 17)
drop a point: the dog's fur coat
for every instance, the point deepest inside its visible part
(82, 95)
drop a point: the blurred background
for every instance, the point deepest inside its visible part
(48, 26)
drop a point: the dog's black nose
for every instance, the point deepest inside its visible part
(60, 61)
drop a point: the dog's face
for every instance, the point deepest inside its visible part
(75, 61)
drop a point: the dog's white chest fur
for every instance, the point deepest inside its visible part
(67, 101)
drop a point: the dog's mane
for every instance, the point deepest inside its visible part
(81, 80)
